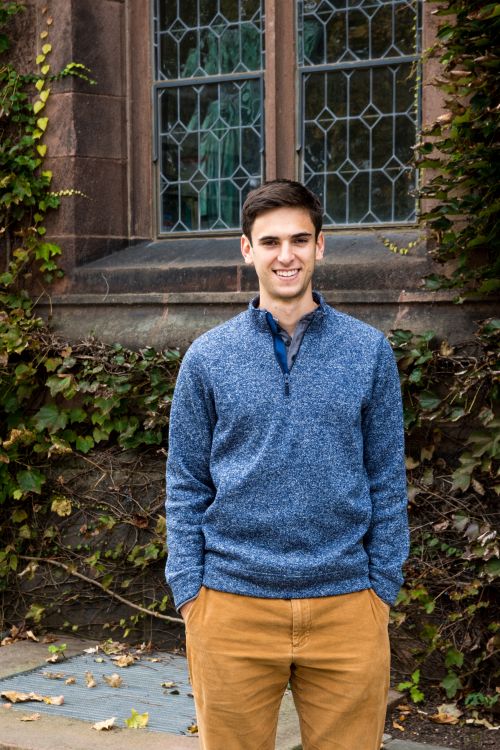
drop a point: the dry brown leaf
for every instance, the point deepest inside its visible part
(70, 681)
(53, 700)
(16, 697)
(31, 717)
(32, 637)
(114, 680)
(89, 679)
(123, 661)
(106, 724)
(49, 638)
(447, 713)
(398, 726)
(113, 647)
(193, 729)
(483, 723)
(55, 658)
(54, 675)
(91, 650)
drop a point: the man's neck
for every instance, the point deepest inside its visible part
(288, 313)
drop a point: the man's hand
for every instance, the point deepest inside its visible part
(185, 608)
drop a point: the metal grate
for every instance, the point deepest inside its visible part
(209, 58)
(358, 62)
(141, 690)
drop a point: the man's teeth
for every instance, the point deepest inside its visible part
(287, 273)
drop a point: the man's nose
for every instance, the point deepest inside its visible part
(285, 254)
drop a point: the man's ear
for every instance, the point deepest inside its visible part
(320, 246)
(246, 249)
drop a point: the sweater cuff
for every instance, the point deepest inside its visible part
(186, 585)
(385, 589)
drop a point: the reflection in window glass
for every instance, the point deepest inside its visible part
(358, 61)
(209, 62)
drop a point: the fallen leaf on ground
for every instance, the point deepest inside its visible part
(123, 661)
(16, 697)
(113, 647)
(89, 679)
(32, 637)
(55, 658)
(193, 729)
(398, 726)
(447, 713)
(113, 680)
(70, 681)
(92, 650)
(136, 720)
(31, 717)
(99, 660)
(56, 700)
(168, 684)
(54, 675)
(483, 723)
(154, 660)
(106, 724)
(49, 638)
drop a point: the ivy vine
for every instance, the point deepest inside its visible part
(461, 148)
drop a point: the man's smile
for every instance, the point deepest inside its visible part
(286, 274)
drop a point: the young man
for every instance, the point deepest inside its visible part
(286, 509)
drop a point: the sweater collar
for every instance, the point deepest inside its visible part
(258, 314)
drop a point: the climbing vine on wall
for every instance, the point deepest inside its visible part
(460, 150)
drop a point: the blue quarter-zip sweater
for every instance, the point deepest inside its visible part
(287, 485)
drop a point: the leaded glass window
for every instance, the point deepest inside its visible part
(358, 64)
(209, 61)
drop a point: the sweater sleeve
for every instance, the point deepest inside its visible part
(387, 539)
(190, 489)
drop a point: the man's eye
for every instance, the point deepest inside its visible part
(301, 241)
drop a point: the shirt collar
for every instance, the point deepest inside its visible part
(258, 314)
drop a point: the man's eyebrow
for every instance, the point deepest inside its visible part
(267, 237)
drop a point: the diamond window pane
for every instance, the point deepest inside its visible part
(333, 31)
(209, 161)
(358, 61)
(209, 132)
(213, 37)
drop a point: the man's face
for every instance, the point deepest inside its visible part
(283, 251)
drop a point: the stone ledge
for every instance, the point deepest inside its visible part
(354, 296)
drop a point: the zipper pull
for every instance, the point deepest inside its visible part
(287, 385)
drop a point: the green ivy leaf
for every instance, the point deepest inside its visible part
(50, 418)
(428, 400)
(453, 658)
(30, 480)
(84, 444)
(452, 684)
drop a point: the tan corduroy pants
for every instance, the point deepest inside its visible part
(334, 652)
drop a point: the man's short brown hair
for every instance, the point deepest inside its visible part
(280, 194)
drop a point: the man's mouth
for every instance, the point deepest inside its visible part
(286, 274)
